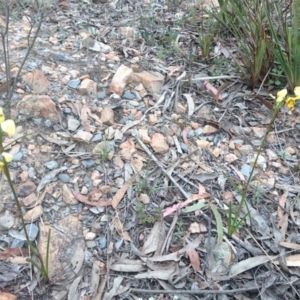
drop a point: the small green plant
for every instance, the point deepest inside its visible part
(105, 150)
(235, 220)
(206, 32)
(178, 230)
(145, 217)
(162, 52)
(276, 76)
(8, 126)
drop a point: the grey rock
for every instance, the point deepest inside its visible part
(137, 95)
(32, 65)
(184, 147)
(37, 121)
(60, 57)
(88, 163)
(91, 244)
(101, 95)
(7, 220)
(191, 133)
(17, 243)
(73, 124)
(18, 156)
(32, 231)
(198, 131)
(119, 182)
(117, 173)
(97, 137)
(56, 128)
(67, 110)
(32, 172)
(130, 117)
(246, 149)
(74, 83)
(64, 177)
(102, 242)
(51, 164)
(48, 123)
(128, 95)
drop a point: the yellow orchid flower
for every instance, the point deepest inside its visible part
(297, 90)
(290, 102)
(9, 127)
(280, 95)
(8, 158)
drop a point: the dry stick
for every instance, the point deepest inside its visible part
(5, 46)
(39, 24)
(197, 292)
(167, 241)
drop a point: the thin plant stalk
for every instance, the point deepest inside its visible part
(235, 221)
(42, 269)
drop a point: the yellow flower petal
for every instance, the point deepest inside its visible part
(9, 127)
(297, 90)
(290, 103)
(1, 165)
(2, 117)
(281, 95)
(8, 157)
(272, 96)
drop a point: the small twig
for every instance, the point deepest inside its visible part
(30, 46)
(210, 78)
(169, 235)
(197, 292)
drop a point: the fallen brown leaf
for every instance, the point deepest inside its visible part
(121, 192)
(9, 252)
(84, 199)
(194, 259)
(119, 228)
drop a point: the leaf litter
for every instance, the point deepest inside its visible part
(184, 249)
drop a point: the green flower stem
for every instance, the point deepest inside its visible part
(234, 224)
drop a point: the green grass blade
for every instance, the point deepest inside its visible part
(196, 206)
(218, 221)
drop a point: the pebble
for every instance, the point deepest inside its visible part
(73, 124)
(88, 163)
(67, 110)
(32, 172)
(101, 95)
(97, 137)
(184, 147)
(128, 95)
(91, 244)
(64, 177)
(191, 133)
(102, 242)
(119, 182)
(48, 123)
(18, 156)
(74, 83)
(32, 231)
(51, 164)
(37, 121)
(6, 220)
(117, 173)
(60, 57)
